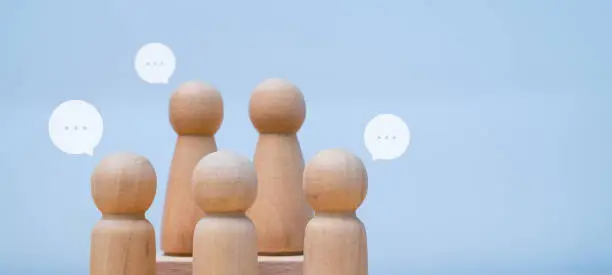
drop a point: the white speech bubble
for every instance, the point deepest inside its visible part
(386, 137)
(76, 127)
(155, 63)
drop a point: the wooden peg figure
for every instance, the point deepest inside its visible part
(225, 240)
(123, 187)
(280, 212)
(196, 114)
(335, 183)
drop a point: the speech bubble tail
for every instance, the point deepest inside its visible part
(89, 153)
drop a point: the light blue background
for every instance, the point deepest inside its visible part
(508, 103)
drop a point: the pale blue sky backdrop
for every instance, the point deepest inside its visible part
(508, 103)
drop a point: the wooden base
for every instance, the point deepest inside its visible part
(268, 265)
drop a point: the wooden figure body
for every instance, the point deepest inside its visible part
(225, 240)
(335, 185)
(123, 187)
(196, 114)
(280, 212)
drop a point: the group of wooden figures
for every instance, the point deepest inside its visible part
(223, 210)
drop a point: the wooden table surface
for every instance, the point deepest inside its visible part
(268, 265)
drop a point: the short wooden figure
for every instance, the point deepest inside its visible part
(335, 184)
(123, 187)
(225, 240)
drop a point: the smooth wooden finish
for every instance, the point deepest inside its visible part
(268, 265)
(225, 241)
(196, 114)
(335, 185)
(280, 212)
(123, 187)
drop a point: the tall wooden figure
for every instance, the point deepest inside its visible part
(280, 212)
(335, 183)
(225, 240)
(196, 114)
(123, 187)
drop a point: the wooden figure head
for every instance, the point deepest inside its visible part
(277, 106)
(123, 183)
(196, 108)
(224, 182)
(335, 180)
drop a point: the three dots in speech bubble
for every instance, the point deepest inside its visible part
(76, 127)
(155, 63)
(387, 137)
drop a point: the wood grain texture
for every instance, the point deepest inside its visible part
(123, 186)
(335, 243)
(225, 241)
(280, 212)
(268, 265)
(181, 214)
(196, 114)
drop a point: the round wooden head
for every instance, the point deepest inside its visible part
(224, 182)
(196, 108)
(277, 106)
(335, 181)
(123, 183)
